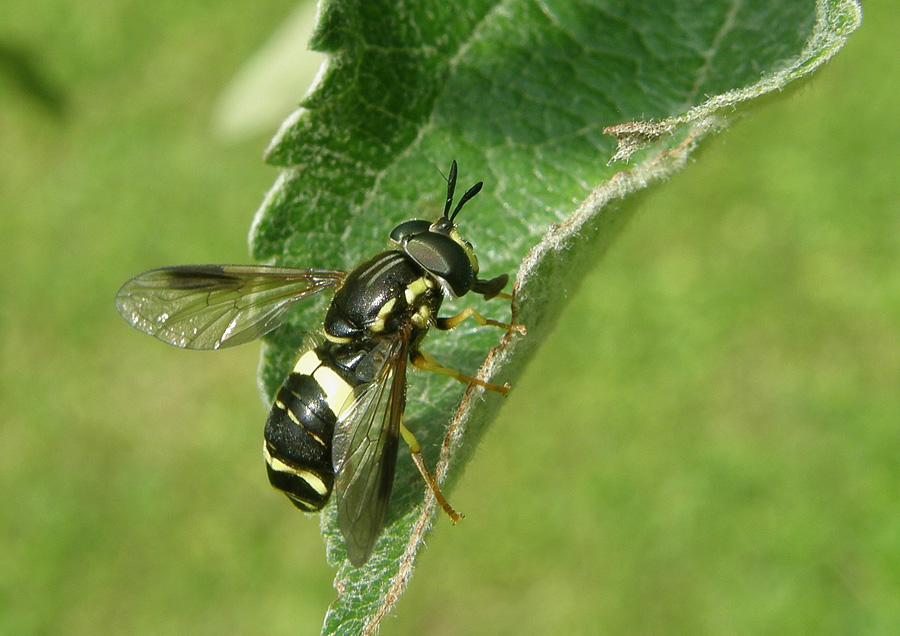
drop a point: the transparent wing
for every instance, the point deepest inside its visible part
(215, 306)
(364, 452)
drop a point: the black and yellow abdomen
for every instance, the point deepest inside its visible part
(300, 426)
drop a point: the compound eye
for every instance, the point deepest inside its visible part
(444, 259)
(408, 229)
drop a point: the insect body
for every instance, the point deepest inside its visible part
(335, 423)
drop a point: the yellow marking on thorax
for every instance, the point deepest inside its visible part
(422, 317)
(416, 289)
(383, 313)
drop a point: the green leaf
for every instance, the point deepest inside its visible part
(537, 99)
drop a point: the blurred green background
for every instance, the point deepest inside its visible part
(708, 444)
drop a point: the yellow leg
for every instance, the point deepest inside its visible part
(422, 360)
(416, 451)
(453, 321)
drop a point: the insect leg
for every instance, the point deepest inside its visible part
(422, 360)
(416, 451)
(450, 322)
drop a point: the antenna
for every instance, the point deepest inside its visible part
(471, 192)
(451, 188)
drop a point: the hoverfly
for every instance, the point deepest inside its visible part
(335, 423)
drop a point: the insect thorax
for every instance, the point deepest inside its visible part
(381, 295)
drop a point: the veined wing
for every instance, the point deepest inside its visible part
(215, 306)
(364, 453)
